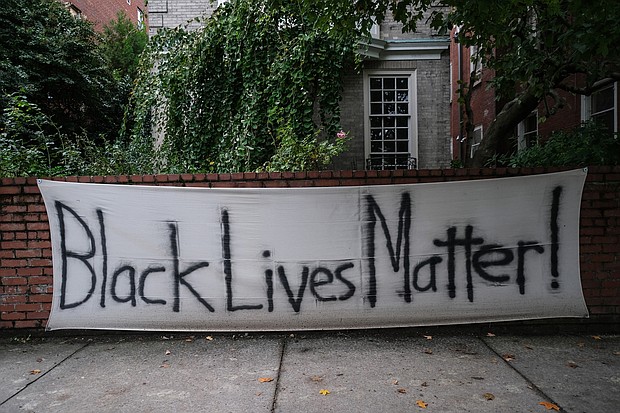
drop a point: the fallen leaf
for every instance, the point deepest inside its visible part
(616, 353)
(316, 378)
(428, 351)
(550, 406)
(424, 384)
(488, 396)
(527, 346)
(401, 390)
(395, 382)
(265, 379)
(508, 357)
(40, 359)
(168, 352)
(421, 404)
(165, 365)
(581, 344)
(35, 371)
(324, 392)
(596, 337)
(490, 335)
(572, 364)
(259, 393)
(209, 338)
(189, 339)
(428, 337)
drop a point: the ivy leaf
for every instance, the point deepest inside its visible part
(550, 406)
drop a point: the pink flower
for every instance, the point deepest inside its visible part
(341, 135)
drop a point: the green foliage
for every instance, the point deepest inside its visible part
(257, 87)
(122, 44)
(32, 145)
(53, 59)
(590, 144)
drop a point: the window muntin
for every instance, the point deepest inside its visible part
(390, 122)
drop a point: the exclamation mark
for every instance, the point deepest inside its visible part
(555, 230)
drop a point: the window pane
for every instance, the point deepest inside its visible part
(375, 108)
(388, 121)
(389, 96)
(375, 96)
(402, 146)
(375, 122)
(402, 83)
(375, 134)
(603, 100)
(402, 96)
(389, 134)
(403, 108)
(388, 108)
(402, 121)
(376, 146)
(389, 146)
(402, 134)
(375, 83)
(389, 83)
(606, 119)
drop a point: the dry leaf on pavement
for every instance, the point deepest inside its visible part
(428, 337)
(265, 379)
(35, 371)
(488, 396)
(402, 390)
(324, 392)
(422, 404)
(550, 406)
(490, 335)
(508, 357)
(168, 352)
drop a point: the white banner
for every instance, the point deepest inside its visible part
(167, 258)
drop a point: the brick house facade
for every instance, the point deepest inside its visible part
(101, 12)
(601, 105)
(396, 110)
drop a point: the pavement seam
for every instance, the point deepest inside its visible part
(530, 383)
(280, 363)
(45, 374)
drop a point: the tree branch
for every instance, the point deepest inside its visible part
(589, 89)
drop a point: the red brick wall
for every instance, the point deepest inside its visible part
(25, 250)
(101, 12)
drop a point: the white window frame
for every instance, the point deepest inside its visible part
(140, 18)
(474, 144)
(475, 63)
(586, 107)
(521, 141)
(413, 108)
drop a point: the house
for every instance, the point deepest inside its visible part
(101, 12)
(396, 110)
(602, 105)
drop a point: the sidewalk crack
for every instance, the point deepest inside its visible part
(45, 373)
(530, 383)
(280, 363)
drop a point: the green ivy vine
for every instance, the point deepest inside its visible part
(257, 87)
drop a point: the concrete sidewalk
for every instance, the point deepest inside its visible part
(404, 370)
